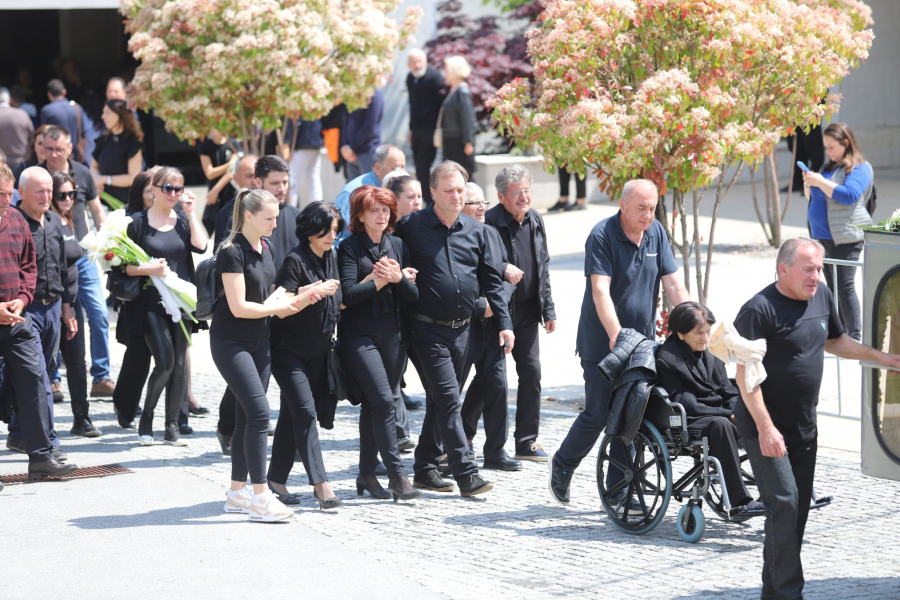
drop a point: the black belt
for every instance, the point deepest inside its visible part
(47, 301)
(455, 324)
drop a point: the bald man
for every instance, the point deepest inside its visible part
(425, 85)
(244, 177)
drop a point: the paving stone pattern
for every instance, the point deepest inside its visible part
(515, 542)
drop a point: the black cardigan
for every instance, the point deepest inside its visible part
(358, 297)
(678, 374)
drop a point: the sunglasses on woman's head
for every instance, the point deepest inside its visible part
(168, 188)
(63, 196)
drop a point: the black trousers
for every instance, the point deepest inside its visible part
(722, 435)
(245, 367)
(168, 346)
(424, 154)
(454, 150)
(441, 353)
(589, 424)
(73, 352)
(785, 485)
(527, 354)
(845, 292)
(301, 378)
(132, 377)
(45, 325)
(488, 391)
(375, 361)
(24, 375)
(580, 185)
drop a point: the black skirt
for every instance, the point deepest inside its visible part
(453, 150)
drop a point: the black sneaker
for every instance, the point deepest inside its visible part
(432, 480)
(559, 206)
(84, 428)
(560, 480)
(16, 445)
(173, 436)
(577, 206)
(472, 485)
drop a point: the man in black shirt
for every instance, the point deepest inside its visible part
(455, 267)
(51, 301)
(425, 85)
(522, 231)
(57, 144)
(777, 419)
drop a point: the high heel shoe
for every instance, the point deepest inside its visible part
(377, 493)
(332, 502)
(200, 411)
(399, 494)
(288, 498)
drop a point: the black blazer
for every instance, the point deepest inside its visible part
(678, 373)
(458, 120)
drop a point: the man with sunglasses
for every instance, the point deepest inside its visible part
(525, 240)
(51, 300)
(57, 144)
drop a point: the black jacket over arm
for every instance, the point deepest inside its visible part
(679, 374)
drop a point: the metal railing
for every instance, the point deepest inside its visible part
(834, 262)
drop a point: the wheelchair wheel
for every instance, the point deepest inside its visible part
(714, 498)
(637, 502)
(696, 524)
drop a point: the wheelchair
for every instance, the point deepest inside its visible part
(637, 503)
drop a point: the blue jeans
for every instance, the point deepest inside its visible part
(93, 301)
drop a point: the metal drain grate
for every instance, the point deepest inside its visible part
(101, 471)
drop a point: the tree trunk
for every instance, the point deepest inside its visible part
(698, 256)
(759, 217)
(787, 202)
(720, 196)
(685, 246)
(776, 201)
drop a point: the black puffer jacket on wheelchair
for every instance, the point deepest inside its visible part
(631, 368)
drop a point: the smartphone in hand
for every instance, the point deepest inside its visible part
(802, 166)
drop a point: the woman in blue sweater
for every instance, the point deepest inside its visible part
(837, 206)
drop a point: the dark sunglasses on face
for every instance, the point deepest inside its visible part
(63, 196)
(168, 188)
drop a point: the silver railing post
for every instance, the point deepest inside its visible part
(834, 262)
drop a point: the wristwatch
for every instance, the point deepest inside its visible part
(109, 180)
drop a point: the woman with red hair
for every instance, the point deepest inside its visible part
(376, 283)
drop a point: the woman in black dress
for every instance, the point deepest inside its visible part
(71, 335)
(169, 237)
(376, 282)
(300, 347)
(458, 123)
(117, 153)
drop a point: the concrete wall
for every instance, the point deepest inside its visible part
(871, 93)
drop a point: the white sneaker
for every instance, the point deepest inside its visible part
(146, 440)
(266, 508)
(238, 502)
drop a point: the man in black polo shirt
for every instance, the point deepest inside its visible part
(522, 231)
(51, 301)
(777, 420)
(455, 266)
(57, 144)
(625, 258)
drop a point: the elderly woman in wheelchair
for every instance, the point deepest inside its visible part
(696, 379)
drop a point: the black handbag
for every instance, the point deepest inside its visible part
(337, 377)
(123, 287)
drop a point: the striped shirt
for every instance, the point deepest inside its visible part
(18, 268)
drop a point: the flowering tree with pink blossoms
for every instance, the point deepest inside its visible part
(680, 92)
(245, 67)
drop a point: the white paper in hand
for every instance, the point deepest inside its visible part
(277, 296)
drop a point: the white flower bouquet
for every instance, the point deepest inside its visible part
(111, 247)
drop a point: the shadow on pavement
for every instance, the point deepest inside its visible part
(837, 587)
(198, 514)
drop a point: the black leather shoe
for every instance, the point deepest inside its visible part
(378, 493)
(48, 468)
(502, 463)
(122, 422)
(16, 445)
(185, 429)
(84, 428)
(288, 498)
(59, 455)
(406, 445)
(432, 480)
(560, 480)
(410, 403)
(381, 470)
(472, 485)
(225, 442)
(328, 503)
(200, 411)
(559, 206)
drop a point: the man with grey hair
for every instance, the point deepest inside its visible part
(16, 130)
(626, 258)
(488, 390)
(387, 158)
(425, 86)
(777, 419)
(528, 268)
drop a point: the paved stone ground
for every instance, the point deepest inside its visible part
(515, 542)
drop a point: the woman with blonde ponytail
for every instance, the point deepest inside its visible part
(239, 342)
